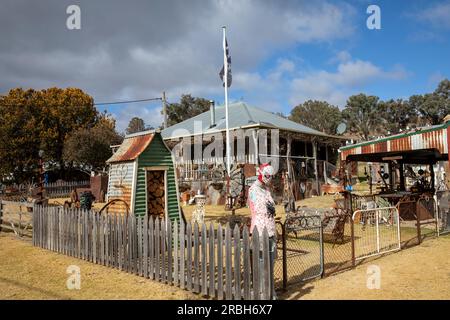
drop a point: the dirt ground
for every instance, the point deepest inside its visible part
(214, 212)
(419, 273)
(28, 272)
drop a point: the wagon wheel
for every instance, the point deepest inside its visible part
(217, 174)
(236, 182)
(114, 201)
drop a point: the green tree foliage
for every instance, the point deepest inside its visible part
(63, 111)
(19, 135)
(433, 107)
(89, 148)
(363, 115)
(443, 89)
(135, 125)
(319, 115)
(397, 115)
(188, 107)
(33, 120)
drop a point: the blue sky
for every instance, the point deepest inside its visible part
(283, 52)
(409, 55)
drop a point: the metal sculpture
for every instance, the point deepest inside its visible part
(199, 213)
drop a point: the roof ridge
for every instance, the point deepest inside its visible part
(246, 106)
(255, 116)
(285, 119)
(140, 133)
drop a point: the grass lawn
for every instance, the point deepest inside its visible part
(420, 272)
(34, 273)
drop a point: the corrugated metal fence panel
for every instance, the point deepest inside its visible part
(445, 139)
(120, 184)
(428, 139)
(436, 139)
(156, 155)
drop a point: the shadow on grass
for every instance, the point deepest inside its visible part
(48, 294)
(295, 291)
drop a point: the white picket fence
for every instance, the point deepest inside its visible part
(212, 262)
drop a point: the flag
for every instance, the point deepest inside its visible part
(222, 71)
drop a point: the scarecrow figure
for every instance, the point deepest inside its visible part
(262, 208)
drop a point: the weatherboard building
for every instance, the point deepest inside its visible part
(199, 147)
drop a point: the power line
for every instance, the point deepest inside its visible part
(104, 103)
(95, 104)
(128, 101)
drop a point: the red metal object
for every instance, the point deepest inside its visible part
(331, 189)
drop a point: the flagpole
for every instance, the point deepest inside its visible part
(225, 63)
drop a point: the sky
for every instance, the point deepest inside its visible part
(283, 52)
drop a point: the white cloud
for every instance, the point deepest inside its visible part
(434, 22)
(341, 56)
(139, 50)
(288, 81)
(150, 114)
(438, 15)
(335, 87)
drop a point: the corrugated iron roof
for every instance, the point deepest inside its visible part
(132, 146)
(240, 115)
(416, 131)
(431, 137)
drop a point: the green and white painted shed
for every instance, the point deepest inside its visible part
(142, 177)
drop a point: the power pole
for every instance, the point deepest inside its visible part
(164, 108)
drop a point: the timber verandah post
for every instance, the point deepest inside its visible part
(1, 214)
(316, 173)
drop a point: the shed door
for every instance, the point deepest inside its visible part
(156, 192)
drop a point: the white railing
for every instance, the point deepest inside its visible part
(377, 231)
(242, 158)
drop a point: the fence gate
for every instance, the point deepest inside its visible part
(376, 231)
(443, 206)
(300, 250)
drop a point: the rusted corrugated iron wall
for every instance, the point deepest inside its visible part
(428, 139)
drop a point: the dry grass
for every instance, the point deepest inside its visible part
(215, 212)
(60, 201)
(212, 213)
(28, 272)
(421, 272)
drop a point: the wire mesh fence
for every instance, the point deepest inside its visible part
(375, 231)
(304, 249)
(319, 242)
(301, 247)
(443, 207)
(337, 242)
